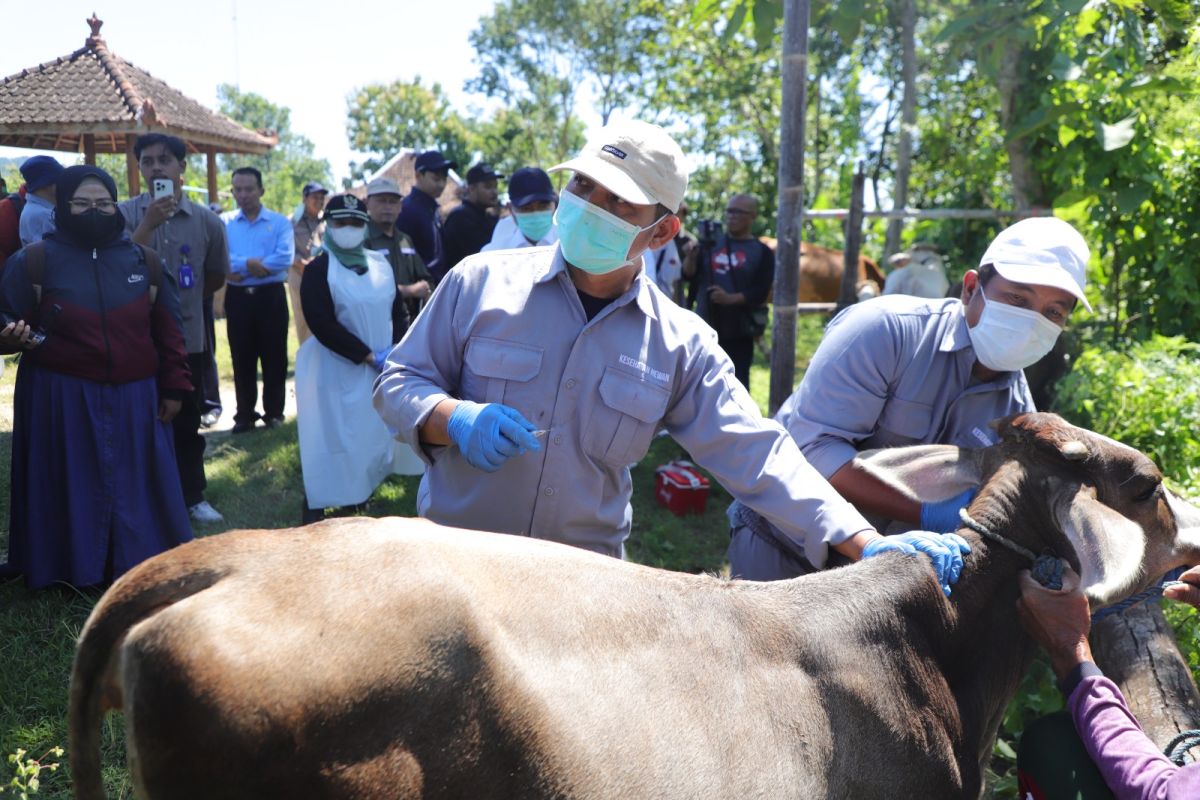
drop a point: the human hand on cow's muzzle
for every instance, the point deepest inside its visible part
(942, 516)
(1186, 589)
(488, 434)
(1057, 619)
(945, 552)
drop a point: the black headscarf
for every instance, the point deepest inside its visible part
(90, 228)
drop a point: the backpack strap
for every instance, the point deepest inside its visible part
(35, 268)
(154, 265)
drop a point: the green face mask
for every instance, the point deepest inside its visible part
(592, 239)
(534, 224)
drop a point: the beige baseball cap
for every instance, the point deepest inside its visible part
(1044, 251)
(382, 186)
(635, 160)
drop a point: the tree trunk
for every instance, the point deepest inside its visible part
(791, 201)
(1028, 191)
(1137, 650)
(908, 121)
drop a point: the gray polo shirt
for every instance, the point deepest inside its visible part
(509, 327)
(37, 219)
(896, 371)
(193, 235)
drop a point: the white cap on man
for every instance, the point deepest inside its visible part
(637, 161)
(1044, 251)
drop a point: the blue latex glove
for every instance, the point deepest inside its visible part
(942, 516)
(945, 551)
(490, 433)
(380, 357)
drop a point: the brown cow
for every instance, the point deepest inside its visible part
(821, 271)
(399, 659)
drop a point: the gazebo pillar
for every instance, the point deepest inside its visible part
(89, 149)
(131, 168)
(210, 163)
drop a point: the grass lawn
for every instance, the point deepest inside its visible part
(254, 480)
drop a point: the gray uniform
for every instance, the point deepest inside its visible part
(890, 372)
(509, 327)
(37, 219)
(194, 236)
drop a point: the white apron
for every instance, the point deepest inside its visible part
(345, 449)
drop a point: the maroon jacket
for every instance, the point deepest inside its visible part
(95, 308)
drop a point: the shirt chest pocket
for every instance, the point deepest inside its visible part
(904, 422)
(497, 371)
(624, 418)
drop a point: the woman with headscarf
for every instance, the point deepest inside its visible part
(94, 488)
(349, 298)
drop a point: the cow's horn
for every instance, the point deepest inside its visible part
(1074, 450)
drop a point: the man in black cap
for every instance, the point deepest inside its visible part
(531, 204)
(37, 217)
(308, 231)
(419, 212)
(469, 227)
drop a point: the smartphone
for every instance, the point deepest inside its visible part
(162, 188)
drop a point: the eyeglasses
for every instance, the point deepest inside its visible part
(738, 212)
(103, 206)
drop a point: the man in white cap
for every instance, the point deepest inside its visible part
(535, 377)
(901, 370)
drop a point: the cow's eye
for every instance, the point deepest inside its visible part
(1147, 494)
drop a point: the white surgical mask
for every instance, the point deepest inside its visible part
(348, 237)
(1008, 338)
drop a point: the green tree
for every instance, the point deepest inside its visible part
(382, 118)
(288, 166)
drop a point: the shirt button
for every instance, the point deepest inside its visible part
(570, 383)
(549, 492)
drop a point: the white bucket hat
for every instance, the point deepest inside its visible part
(637, 161)
(1045, 251)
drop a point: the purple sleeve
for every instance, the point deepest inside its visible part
(1130, 763)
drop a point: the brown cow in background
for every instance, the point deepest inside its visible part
(821, 273)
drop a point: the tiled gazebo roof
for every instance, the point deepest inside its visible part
(95, 92)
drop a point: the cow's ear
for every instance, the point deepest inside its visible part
(925, 473)
(1048, 432)
(1110, 548)
(1187, 528)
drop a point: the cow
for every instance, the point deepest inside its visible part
(396, 658)
(821, 271)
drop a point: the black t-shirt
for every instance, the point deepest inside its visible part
(592, 305)
(736, 265)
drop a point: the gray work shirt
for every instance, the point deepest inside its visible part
(896, 371)
(37, 219)
(508, 327)
(194, 236)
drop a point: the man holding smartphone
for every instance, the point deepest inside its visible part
(190, 239)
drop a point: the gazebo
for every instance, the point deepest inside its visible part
(93, 101)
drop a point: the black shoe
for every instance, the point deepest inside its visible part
(310, 515)
(242, 427)
(273, 422)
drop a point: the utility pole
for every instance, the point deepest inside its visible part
(794, 67)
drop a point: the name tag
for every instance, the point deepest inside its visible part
(982, 437)
(407, 251)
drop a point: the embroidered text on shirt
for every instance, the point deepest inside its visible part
(642, 366)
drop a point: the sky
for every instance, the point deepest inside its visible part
(302, 54)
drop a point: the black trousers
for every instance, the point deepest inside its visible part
(189, 444)
(212, 384)
(741, 353)
(256, 318)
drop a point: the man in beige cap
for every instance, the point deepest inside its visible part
(901, 370)
(412, 278)
(534, 379)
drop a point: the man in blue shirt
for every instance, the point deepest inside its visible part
(37, 218)
(901, 370)
(261, 250)
(419, 212)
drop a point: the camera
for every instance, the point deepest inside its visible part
(707, 231)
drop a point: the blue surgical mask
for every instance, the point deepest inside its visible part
(592, 239)
(534, 224)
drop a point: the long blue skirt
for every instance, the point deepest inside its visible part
(95, 490)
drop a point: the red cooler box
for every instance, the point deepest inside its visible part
(681, 488)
